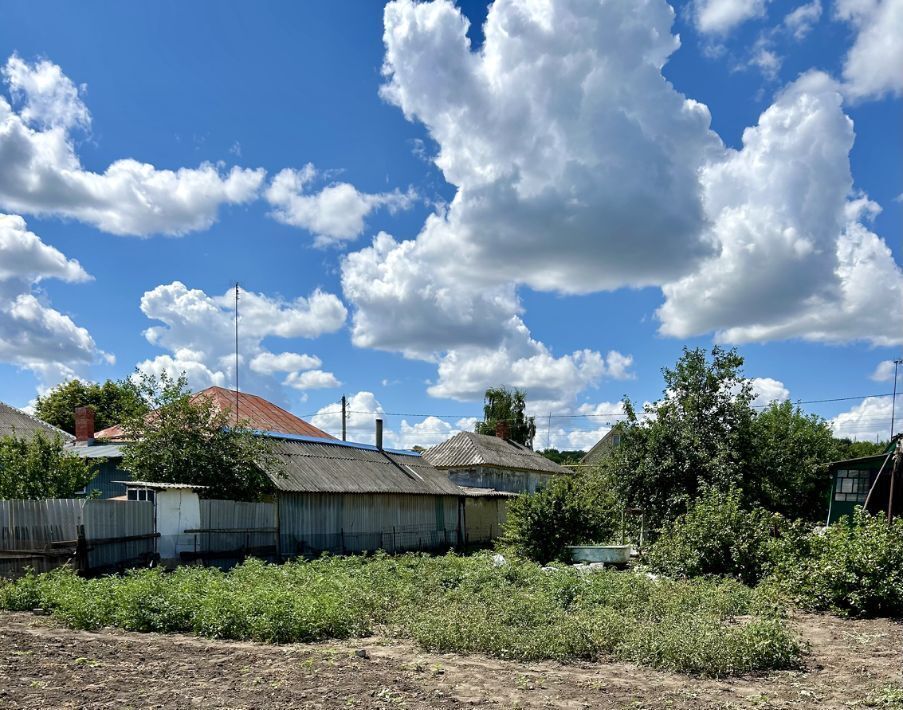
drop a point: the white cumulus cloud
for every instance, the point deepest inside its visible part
(872, 67)
(41, 174)
(767, 390)
(721, 16)
(884, 372)
(800, 20)
(34, 335)
(795, 259)
(199, 331)
(335, 213)
(867, 421)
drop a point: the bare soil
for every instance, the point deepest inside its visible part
(44, 665)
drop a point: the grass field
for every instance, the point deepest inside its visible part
(445, 604)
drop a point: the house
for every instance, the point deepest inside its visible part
(108, 445)
(247, 410)
(602, 447)
(496, 462)
(15, 422)
(327, 494)
(867, 481)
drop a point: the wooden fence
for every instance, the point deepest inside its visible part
(90, 535)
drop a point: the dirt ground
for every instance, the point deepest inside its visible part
(43, 665)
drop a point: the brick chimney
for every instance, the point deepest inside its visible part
(84, 425)
(501, 429)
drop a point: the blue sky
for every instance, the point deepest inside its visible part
(562, 205)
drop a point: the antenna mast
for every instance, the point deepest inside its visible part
(236, 352)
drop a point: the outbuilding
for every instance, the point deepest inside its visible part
(496, 462)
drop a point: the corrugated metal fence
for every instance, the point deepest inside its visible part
(90, 534)
(233, 528)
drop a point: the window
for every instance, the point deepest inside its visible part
(852, 486)
(141, 494)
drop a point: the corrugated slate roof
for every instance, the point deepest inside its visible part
(253, 411)
(470, 449)
(339, 467)
(15, 422)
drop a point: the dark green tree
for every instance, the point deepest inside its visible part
(39, 467)
(113, 402)
(849, 449)
(563, 457)
(788, 472)
(507, 406)
(185, 440)
(699, 434)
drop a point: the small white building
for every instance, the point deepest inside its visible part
(177, 509)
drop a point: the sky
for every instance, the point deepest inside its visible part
(422, 200)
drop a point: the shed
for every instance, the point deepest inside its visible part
(344, 497)
(176, 510)
(481, 461)
(863, 481)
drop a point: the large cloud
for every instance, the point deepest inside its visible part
(40, 172)
(562, 124)
(874, 65)
(33, 335)
(199, 332)
(335, 213)
(795, 259)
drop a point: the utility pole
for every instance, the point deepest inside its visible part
(893, 404)
(344, 419)
(236, 353)
(549, 433)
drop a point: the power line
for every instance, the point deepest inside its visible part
(594, 414)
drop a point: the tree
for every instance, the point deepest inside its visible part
(849, 449)
(563, 457)
(113, 402)
(698, 435)
(39, 467)
(190, 441)
(507, 406)
(789, 470)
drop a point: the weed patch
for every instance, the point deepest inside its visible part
(451, 603)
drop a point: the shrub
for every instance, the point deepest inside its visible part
(853, 568)
(716, 536)
(541, 525)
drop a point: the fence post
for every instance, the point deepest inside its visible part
(342, 540)
(81, 550)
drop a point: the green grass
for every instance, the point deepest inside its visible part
(451, 603)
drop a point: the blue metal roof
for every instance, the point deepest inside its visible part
(331, 442)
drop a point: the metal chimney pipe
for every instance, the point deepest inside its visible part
(379, 434)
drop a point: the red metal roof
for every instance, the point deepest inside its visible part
(253, 412)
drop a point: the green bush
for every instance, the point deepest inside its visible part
(569, 511)
(460, 604)
(716, 536)
(852, 568)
